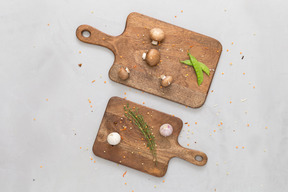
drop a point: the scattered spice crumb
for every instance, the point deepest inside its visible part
(253, 87)
(143, 103)
(240, 53)
(125, 183)
(266, 127)
(124, 173)
(93, 81)
(222, 73)
(34, 119)
(89, 100)
(124, 93)
(227, 50)
(104, 81)
(175, 16)
(236, 147)
(196, 123)
(242, 147)
(80, 52)
(181, 11)
(47, 99)
(80, 147)
(230, 64)
(242, 57)
(230, 102)
(212, 91)
(41, 166)
(121, 56)
(248, 125)
(188, 144)
(214, 130)
(80, 65)
(243, 73)
(232, 43)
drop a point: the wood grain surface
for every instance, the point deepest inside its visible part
(132, 150)
(134, 41)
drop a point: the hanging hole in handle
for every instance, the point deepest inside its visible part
(198, 158)
(86, 33)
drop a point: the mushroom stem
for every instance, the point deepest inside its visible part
(144, 56)
(154, 42)
(126, 69)
(162, 77)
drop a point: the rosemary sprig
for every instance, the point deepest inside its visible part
(138, 120)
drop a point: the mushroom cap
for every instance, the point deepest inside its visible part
(166, 81)
(157, 34)
(153, 57)
(123, 73)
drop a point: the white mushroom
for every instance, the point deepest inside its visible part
(156, 35)
(114, 138)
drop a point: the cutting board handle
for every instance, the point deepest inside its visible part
(193, 156)
(88, 34)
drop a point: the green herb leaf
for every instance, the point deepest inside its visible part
(138, 120)
(197, 69)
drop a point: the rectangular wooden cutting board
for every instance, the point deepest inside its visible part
(134, 41)
(132, 150)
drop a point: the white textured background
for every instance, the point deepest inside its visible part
(39, 57)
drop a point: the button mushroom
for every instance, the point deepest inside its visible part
(156, 35)
(152, 57)
(166, 80)
(123, 73)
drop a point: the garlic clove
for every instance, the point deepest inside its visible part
(114, 138)
(166, 130)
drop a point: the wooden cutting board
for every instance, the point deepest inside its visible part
(134, 41)
(132, 150)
